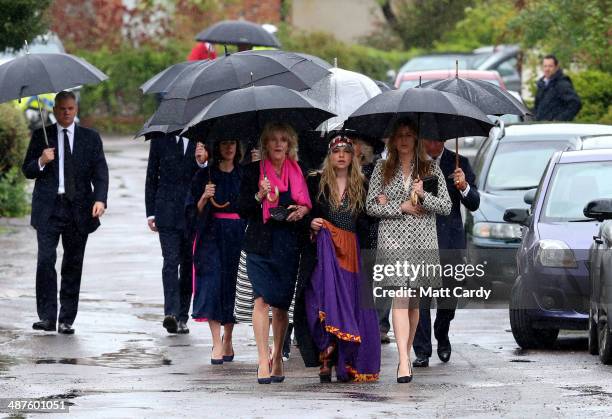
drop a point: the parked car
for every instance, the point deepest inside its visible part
(552, 288)
(438, 61)
(408, 79)
(505, 59)
(509, 163)
(600, 279)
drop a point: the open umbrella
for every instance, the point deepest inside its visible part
(188, 95)
(342, 91)
(242, 114)
(34, 74)
(440, 115)
(160, 82)
(489, 98)
(149, 131)
(238, 32)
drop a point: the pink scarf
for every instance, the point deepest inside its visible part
(291, 174)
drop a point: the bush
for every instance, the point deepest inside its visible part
(595, 90)
(13, 201)
(13, 142)
(119, 98)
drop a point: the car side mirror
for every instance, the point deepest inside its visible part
(599, 209)
(520, 216)
(529, 196)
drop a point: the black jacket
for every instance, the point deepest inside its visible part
(169, 174)
(556, 101)
(90, 170)
(258, 236)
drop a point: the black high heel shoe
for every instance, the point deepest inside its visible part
(406, 378)
(279, 378)
(266, 380)
(216, 361)
(227, 358)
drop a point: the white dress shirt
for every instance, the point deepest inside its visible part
(60, 152)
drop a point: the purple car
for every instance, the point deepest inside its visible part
(551, 291)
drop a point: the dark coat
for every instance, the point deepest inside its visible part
(90, 170)
(451, 234)
(169, 175)
(556, 101)
(258, 236)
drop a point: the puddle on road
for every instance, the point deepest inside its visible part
(126, 358)
(521, 360)
(589, 391)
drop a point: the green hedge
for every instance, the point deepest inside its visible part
(595, 90)
(13, 143)
(117, 105)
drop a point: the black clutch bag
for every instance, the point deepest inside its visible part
(430, 184)
(279, 213)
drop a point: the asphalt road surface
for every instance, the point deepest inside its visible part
(121, 363)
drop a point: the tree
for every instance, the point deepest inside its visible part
(22, 21)
(419, 23)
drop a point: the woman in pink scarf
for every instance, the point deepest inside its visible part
(274, 200)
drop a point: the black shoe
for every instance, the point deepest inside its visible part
(65, 329)
(182, 328)
(214, 361)
(384, 338)
(279, 378)
(45, 325)
(405, 378)
(444, 353)
(267, 380)
(421, 361)
(170, 324)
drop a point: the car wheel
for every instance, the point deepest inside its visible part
(593, 333)
(605, 341)
(525, 335)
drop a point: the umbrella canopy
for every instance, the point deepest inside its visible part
(439, 115)
(34, 74)
(187, 95)
(242, 114)
(342, 92)
(315, 59)
(160, 82)
(150, 131)
(238, 32)
(488, 97)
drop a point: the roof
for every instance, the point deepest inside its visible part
(446, 74)
(556, 129)
(577, 156)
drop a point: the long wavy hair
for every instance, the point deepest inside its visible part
(288, 133)
(355, 190)
(392, 163)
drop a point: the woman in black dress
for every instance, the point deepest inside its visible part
(274, 200)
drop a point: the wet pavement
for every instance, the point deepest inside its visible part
(121, 363)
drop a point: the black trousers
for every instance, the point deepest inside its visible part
(61, 224)
(445, 313)
(177, 272)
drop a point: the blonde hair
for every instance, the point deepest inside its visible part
(391, 164)
(355, 190)
(289, 134)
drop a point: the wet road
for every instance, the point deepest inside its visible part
(121, 363)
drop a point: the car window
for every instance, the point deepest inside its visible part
(572, 186)
(519, 165)
(435, 62)
(480, 156)
(507, 68)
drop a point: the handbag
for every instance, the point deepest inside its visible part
(280, 213)
(430, 184)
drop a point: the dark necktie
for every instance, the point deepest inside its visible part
(179, 146)
(69, 187)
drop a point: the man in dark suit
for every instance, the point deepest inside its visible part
(64, 205)
(170, 169)
(462, 190)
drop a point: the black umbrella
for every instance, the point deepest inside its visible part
(315, 59)
(439, 115)
(150, 131)
(238, 32)
(488, 97)
(34, 74)
(242, 114)
(188, 95)
(160, 82)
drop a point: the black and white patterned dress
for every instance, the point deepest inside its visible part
(405, 237)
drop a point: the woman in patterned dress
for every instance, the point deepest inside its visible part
(407, 229)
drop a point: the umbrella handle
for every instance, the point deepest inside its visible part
(456, 153)
(43, 121)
